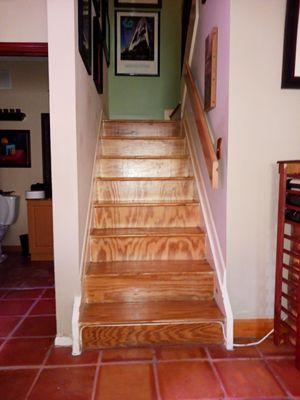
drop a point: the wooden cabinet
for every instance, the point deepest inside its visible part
(40, 229)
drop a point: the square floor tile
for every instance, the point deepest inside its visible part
(14, 384)
(180, 352)
(24, 351)
(49, 294)
(219, 351)
(268, 349)
(23, 294)
(134, 354)
(126, 382)
(37, 326)
(288, 373)
(44, 307)
(15, 307)
(74, 383)
(63, 356)
(250, 379)
(188, 380)
(7, 324)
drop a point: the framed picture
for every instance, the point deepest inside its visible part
(97, 56)
(138, 3)
(14, 149)
(137, 43)
(105, 27)
(291, 48)
(210, 87)
(97, 5)
(85, 33)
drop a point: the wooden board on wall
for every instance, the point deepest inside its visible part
(211, 49)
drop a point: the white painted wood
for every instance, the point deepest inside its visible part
(63, 341)
(76, 350)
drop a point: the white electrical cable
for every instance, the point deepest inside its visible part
(254, 343)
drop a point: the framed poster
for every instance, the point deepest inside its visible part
(85, 33)
(15, 149)
(210, 89)
(291, 48)
(97, 56)
(138, 3)
(137, 43)
(105, 27)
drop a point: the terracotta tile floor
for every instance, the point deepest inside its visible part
(31, 368)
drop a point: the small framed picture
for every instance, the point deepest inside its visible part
(85, 33)
(105, 27)
(15, 149)
(138, 3)
(137, 42)
(97, 56)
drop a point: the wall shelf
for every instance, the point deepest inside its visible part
(11, 115)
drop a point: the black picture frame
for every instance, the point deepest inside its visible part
(147, 67)
(138, 4)
(289, 79)
(97, 5)
(105, 28)
(85, 33)
(15, 148)
(97, 56)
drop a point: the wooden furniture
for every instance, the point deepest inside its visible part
(287, 288)
(40, 229)
(146, 278)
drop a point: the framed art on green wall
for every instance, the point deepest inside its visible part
(85, 33)
(138, 3)
(137, 43)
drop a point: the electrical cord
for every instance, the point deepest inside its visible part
(254, 343)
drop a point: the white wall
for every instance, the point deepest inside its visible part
(29, 91)
(75, 109)
(264, 127)
(216, 13)
(23, 20)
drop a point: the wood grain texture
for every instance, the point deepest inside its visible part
(154, 167)
(145, 190)
(142, 147)
(252, 328)
(102, 337)
(146, 215)
(141, 128)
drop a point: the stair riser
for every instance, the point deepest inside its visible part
(146, 216)
(135, 168)
(144, 190)
(147, 248)
(138, 148)
(136, 129)
(95, 337)
(151, 287)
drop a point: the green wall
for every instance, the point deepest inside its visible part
(148, 97)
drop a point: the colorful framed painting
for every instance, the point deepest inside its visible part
(85, 33)
(97, 56)
(14, 149)
(210, 89)
(139, 3)
(137, 43)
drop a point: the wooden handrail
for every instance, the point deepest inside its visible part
(202, 126)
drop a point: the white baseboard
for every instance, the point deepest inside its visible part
(75, 327)
(63, 341)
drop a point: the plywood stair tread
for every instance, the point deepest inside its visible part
(146, 232)
(125, 157)
(148, 267)
(146, 203)
(146, 179)
(150, 313)
(147, 138)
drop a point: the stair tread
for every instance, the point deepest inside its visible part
(168, 157)
(145, 204)
(150, 312)
(141, 121)
(148, 267)
(135, 179)
(133, 138)
(128, 232)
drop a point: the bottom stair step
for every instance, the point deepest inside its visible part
(106, 325)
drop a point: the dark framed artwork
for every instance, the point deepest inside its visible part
(137, 43)
(97, 56)
(15, 149)
(97, 5)
(105, 28)
(138, 3)
(291, 48)
(85, 33)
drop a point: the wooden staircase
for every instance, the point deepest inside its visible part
(146, 280)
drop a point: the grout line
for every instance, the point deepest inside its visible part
(155, 373)
(278, 379)
(97, 375)
(216, 373)
(42, 366)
